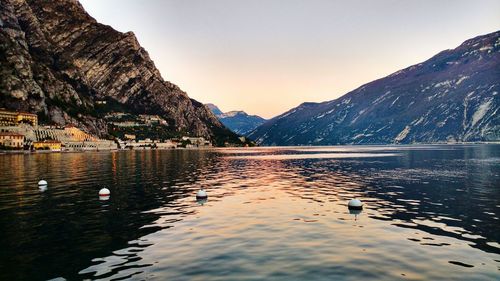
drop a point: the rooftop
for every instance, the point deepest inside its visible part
(11, 134)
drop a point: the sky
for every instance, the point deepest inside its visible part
(267, 56)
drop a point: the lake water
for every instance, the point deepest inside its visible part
(430, 213)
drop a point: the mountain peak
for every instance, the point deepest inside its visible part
(452, 97)
(214, 109)
(234, 113)
(66, 61)
(238, 121)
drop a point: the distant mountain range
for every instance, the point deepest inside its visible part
(59, 62)
(454, 96)
(238, 121)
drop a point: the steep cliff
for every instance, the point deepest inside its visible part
(58, 61)
(454, 96)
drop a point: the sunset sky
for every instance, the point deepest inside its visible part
(267, 56)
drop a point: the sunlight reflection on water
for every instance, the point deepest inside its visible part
(311, 156)
(430, 212)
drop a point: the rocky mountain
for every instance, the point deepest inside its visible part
(215, 110)
(238, 121)
(59, 62)
(454, 96)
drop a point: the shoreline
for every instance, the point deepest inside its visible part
(9, 152)
(4, 152)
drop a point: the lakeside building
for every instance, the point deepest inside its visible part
(147, 144)
(76, 134)
(89, 145)
(12, 140)
(128, 124)
(196, 141)
(51, 145)
(166, 144)
(187, 142)
(71, 137)
(152, 119)
(13, 118)
(74, 139)
(129, 137)
(20, 129)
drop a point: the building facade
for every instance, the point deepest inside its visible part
(129, 137)
(13, 118)
(52, 145)
(12, 140)
(197, 141)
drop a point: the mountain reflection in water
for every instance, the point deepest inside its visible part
(431, 212)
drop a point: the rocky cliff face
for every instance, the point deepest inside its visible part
(238, 121)
(57, 61)
(453, 96)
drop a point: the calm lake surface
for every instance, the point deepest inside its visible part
(431, 213)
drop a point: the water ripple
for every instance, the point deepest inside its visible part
(431, 212)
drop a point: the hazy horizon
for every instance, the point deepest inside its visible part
(265, 57)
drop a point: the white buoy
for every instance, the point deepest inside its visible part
(202, 194)
(355, 212)
(104, 192)
(355, 204)
(42, 182)
(201, 201)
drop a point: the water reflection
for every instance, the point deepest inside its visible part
(311, 156)
(269, 216)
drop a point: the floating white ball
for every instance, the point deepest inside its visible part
(355, 211)
(201, 201)
(202, 194)
(104, 192)
(355, 204)
(42, 182)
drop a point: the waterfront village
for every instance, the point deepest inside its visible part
(21, 131)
